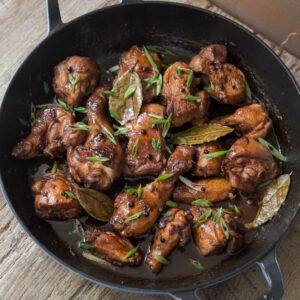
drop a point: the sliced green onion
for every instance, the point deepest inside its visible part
(114, 69)
(202, 219)
(248, 91)
(95, 258)
(164, 176)
(161, 259)
(224, 227)
(169, 150)
(201, 202)
(46, 87)
(86, 246)
(217, 216)
(156, 144)
(160, 209)
(158, 84)
(108, 134)
(130, 91)
(272, 149)
(190, 79)
(70, 194)
(111, 93)
(156, 116)
(80, 126)
(182, 140)
(210, 89)
(73, 81)
(196, 264)
(168, 214)
(178, 72)
(54, 167)
(131, 252)
(120, 130)
(215, 154)
(171, 203)
(138, 191)
(191, 98)
(234, 207)
(135, 147)
(81, 109)
(134, 216)
(150, 59)
(114, 114)
(96, 159)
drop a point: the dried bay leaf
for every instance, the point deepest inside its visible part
(127, 108)
(96, 204)
(201, 134)
(273, 197)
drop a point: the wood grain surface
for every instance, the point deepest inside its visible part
(26, 272)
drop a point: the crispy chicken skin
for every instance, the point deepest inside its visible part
(209, 56)
(248, 164)
(113, 248)
(251, 120)
(211, 189)
(228, 81)
(97, 175)
(153, 198)
(172, 230)
(51, 200)
(146, 160)
(49, 135)
(135, 59)
(210, 238)
(76, 68)
(206, 167)
(174, 92)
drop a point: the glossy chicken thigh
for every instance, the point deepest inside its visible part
(145, 152)
(75, 78)
(249, 164)
(173, 229)
(136, 60)
(134, 215)
(176, 91)
(97, 163)
(55, 196)
(50, 135)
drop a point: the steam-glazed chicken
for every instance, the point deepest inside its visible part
(75, 78)
(173, 229)
(211, 189)
(154, 196)
(145, 153)
(55, 196)
(206, 167)
(249, 164)
(227, 83)
(212, 235)
(113, 248)
(50, 135)
(251, 120)
(98, 162)
(176, 94)
(136, 60)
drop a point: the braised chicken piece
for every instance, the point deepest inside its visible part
(113, 248)
(251, 120)
(134, 215)
(173, 229)
(145, 153)
(209, 56)
(75, 78)
(248, 164)
(212, 235)
(175, 93)
(55, 197)
(136, 60)
(227, 83)
(50, 135)
(97, 163)
(210, 166)
(211, 189)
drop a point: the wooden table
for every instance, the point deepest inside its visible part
(26, 272)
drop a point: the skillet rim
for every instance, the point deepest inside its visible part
(119, 286)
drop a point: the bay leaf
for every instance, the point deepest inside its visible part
(96, 204)
(201, 134)
(128, 109)
(273, 197)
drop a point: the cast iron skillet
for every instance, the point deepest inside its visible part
(103, 35)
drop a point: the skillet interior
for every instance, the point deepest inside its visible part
(103, 35)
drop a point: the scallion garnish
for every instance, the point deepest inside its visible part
(166, 124)
(158, 84)
(138, 191)
(169, 150)
(178, 72)
(161, 259)
(96, 159)
(134, 216)
(161, 50)
(81, 110)
(108, 134)
(248, 91)
(168, 214)
(215, 154)
(234, 207)
(80, 126)
(156, 116)
(272, 149)
(70, 194)
(201, 202)
(196, 264)
(150, 59)
(210, 89)
(46, 87)
(164, 176)
(182, 140)
(171, 203)
(156, 144)
(218, 218)
(135, 147)
(202, 219)
(191, 98)
(120, 130)
(73, 81)
(131, 252)
(86, 246)
(114, 69)
(114, 114)
(130, 91)
(111, 93)
(54, 167)
(190, 79)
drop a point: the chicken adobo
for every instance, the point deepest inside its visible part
(150, 184)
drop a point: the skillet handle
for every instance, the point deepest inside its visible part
(53, 15)
(271, 271)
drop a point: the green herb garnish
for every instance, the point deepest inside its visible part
(138, 191)
(166, 123)
(114, 114)
(80, 126)
(191, 98)
(201, 201)
(161, 259)
(218, 218)
(190, 79)
(182, 140)
(111, 93)
(81, 110)
(272, 149)
(120, 130)
(54, 167)
(108, 134)
(156, 144)
(196, 264)
(96, 159)
(135, 147)
(131, 252)
(168, 214)
(150, 59)
(202, 219)
(234, 207)
(134, 216)
(215, 154)
(130, 91)
(164, 176)
(73, 81)
(70, 194)
(171, 203)
(248, 91)
(114, 69)
(210, 89)
(86, 246)
(178, 72)
(169, 150)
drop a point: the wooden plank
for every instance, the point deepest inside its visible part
(26, 272)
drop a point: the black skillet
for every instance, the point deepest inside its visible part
(103, 35)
